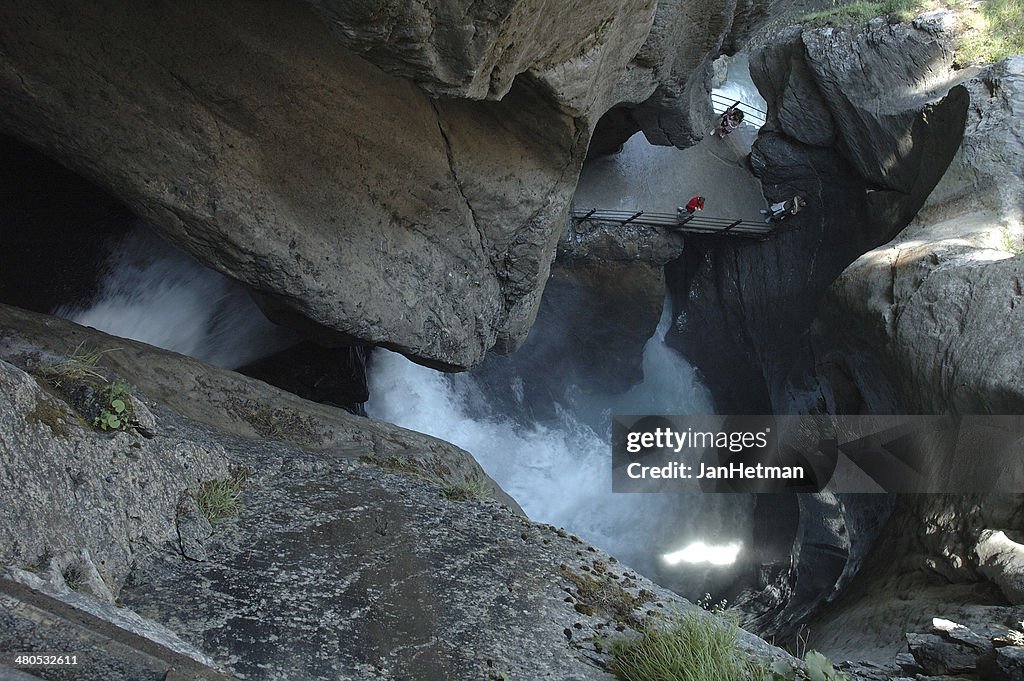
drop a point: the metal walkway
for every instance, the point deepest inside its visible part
(698, 224)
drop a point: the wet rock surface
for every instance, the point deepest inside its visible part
(605, 297)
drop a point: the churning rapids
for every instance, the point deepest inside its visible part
(553, 458)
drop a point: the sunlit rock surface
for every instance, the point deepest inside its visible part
(931, 322)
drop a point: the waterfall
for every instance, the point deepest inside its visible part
(156, 293)
(559, 470)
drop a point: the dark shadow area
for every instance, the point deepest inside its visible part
(56, 228)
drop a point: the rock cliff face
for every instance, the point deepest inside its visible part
(930, 322)
(862, 124)
(664, 90)
(604, 298)
(360, 550)
(337, 159)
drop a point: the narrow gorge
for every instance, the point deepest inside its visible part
(317, 317)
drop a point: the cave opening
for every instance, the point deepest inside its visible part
(69, 248)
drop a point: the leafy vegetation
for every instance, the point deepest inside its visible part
(114, 402)
(990, 30)
(106, 405)
(863, 11)
(993, 30)
(817, 667)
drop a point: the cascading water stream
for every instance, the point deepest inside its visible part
(559, 470)
(158, 294)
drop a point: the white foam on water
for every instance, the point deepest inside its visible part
(558, 471)
(158, 294)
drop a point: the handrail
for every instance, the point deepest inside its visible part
(697, 224)
(743, 105)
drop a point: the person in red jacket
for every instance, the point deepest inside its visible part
(693, 205)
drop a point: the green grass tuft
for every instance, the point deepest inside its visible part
(863, 11)
(220, 499)
(471, 489)
(989, 30)
(994, 30)
(691, 647)
(78, 367)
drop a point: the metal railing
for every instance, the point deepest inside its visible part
(751, 113)
(693, 224)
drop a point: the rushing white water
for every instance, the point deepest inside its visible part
(559, 471)
(158, 294)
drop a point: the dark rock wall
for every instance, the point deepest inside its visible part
(863, 124)
(929, 323)
(743, 310)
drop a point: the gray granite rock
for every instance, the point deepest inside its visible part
(1011, 662)
(306, 153)
(342, 562)
(1001, 560)
(940, 656)
(69, 488)
(928, 323)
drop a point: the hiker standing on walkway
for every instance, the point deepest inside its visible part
(782, 209)
(732, 118)
(692, 206)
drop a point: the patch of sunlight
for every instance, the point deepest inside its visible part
(700, 552)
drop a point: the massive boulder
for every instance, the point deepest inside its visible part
(396, 174)
(930, 322)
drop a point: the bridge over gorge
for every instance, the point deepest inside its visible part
(658, 177)
(694, 224)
